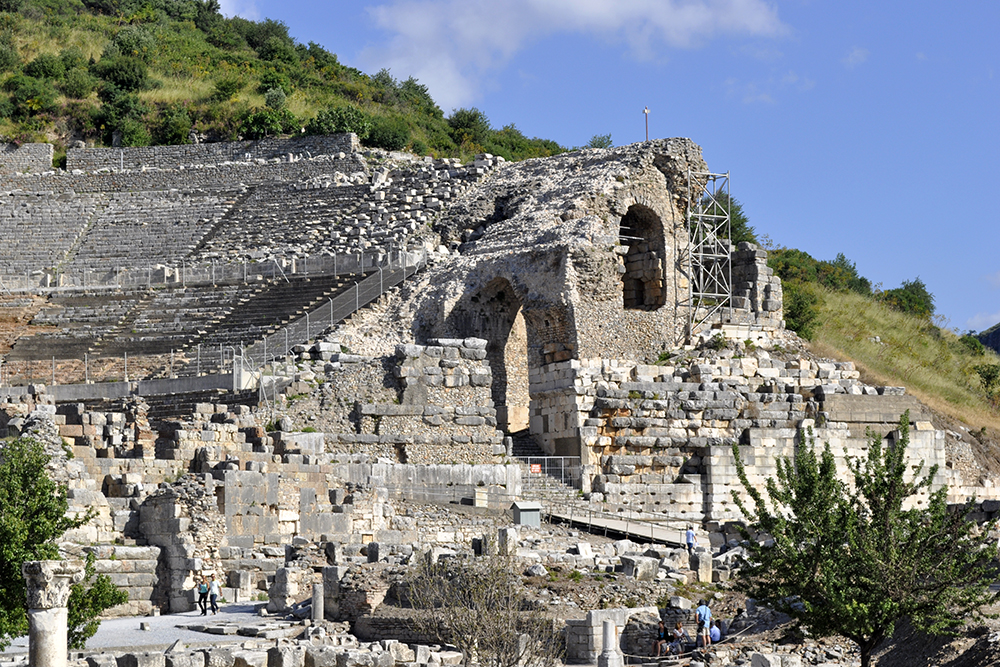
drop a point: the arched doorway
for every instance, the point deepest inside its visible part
(641, 235)
(498, 318)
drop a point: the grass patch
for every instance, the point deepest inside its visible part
(911, 351)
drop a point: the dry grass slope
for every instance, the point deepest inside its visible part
(911, 352)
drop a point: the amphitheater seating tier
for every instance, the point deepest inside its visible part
(39, 229)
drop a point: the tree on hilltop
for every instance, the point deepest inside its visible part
(850, 560)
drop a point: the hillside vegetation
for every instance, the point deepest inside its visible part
(890, 334)
(153, 70)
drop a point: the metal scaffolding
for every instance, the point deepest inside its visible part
(707, 256)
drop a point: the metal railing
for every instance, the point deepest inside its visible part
(203, 273)
(335, 310)
(551, 471)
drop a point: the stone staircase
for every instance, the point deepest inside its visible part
(259, 314)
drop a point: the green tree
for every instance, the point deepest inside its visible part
(470, 126)
(801, 308)
(32, 518)
(600, 141)
(340, 119)
(854, 559)
(739, 225)
(912, 297)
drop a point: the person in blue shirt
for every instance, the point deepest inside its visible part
(704, 623)
(715, 634)
(691, 539)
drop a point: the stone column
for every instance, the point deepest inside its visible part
(48, 586)
(610, 656)
(317, 603)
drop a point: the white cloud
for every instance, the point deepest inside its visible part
(994, 280)
(982, 321)
(452, 45)
(245, 8)
(855, 57)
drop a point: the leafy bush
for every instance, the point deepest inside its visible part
(840, 274)
(72, 57)
(78, 83)
(340, 119)
(227, 88)
(225, 37)
(9, 57)
(87, 601)
(259, 122)
(30, 95)
(173, 126)
(989, 375)
(912, 297)
(469, 126)
(391, 134)
(276, 49)
(46, 66)
(274, 79)
(257, 34)
(133, 42)
(274, 98)
(129, 74)
(972, 344)
(801, 305)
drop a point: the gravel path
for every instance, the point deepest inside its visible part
(124, 633)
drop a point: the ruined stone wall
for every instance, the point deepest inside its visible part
(425, 404)
(26, 158)
(172, 157)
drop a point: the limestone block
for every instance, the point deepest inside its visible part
(640, 568)
(142, 660)
(324, 656)
(286, 656)
(250, 659)
(188, 659)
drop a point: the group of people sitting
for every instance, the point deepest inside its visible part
(677, 640)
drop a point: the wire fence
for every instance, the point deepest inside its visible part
(203, 273)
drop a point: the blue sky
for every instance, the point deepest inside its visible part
(871, 129)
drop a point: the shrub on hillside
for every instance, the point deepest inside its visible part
(128, 74)
(133, 42)
(274, 79)
(274, 98)
(839, 275)
(340, 119)
(391, 134)
(226, 88)
(972, 344)
(277, 49)
(801, 307)
(261, 122)
(46, 66)
(224, 37)
(172, 126)
(78, 83)
(9, 57)
(30, 95)
(912, 297)
(72, 57)
(469, 126)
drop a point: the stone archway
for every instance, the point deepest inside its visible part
(498, 317)
(641, 238)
